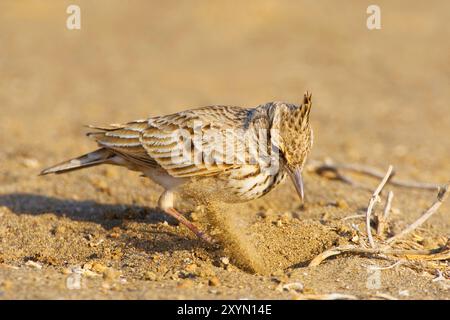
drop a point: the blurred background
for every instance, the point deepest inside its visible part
(380, 96)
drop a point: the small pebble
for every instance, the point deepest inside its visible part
(185, 284)
(342, 204)
(6, 285)
(87, 266)
(404, 293)
(110, 172)
(110, 274)
(30, 163)
(98, 267)
(286, 216)
(191, 268)
(194, 216)
(66, 271)
(214, 282)
(294, 286)
(33, 264)
(262, 214)
(59, 230)
(150, 276)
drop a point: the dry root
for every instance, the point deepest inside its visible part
(329, 166)
(385, 248)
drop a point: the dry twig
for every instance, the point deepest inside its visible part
(355, 216)
(382, 252)
(386, 250)
(385, 296)
(373, 200)
(382, 219)
(327, 296)
(387, 208)
(330, 166)
(442, 195)
(374, 267)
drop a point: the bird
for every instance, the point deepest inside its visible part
(226, 153)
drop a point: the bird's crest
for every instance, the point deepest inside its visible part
(306, 106)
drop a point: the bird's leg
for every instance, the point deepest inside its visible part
(166, 203)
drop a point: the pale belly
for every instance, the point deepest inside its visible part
(161, 177)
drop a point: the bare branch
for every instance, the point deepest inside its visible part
(385, 296)
(387, 208)
(327, 296)
(373, 267)
(329, 165)
(442, 195)
(355, 216)
(383, 218)
(372, 202)
(383, 252)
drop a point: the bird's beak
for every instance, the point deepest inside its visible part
(296, 176)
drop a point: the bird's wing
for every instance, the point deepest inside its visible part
(194, 142)
(124, 140)
(188, 143)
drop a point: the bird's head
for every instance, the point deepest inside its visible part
(295, 137)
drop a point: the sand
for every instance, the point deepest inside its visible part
(379, 98)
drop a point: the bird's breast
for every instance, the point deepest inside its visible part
(252, 182)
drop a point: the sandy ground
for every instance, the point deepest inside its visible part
(380, 97)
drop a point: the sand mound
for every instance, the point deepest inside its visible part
(267, 244)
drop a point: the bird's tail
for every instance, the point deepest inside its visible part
(90, 159)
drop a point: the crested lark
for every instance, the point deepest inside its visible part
(223, 153)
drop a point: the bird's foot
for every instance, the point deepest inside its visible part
(199, 233)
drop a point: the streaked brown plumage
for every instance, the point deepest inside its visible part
(226, 153)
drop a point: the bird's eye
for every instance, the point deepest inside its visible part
(282, 157)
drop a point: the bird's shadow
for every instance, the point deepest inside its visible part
(106, 215)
